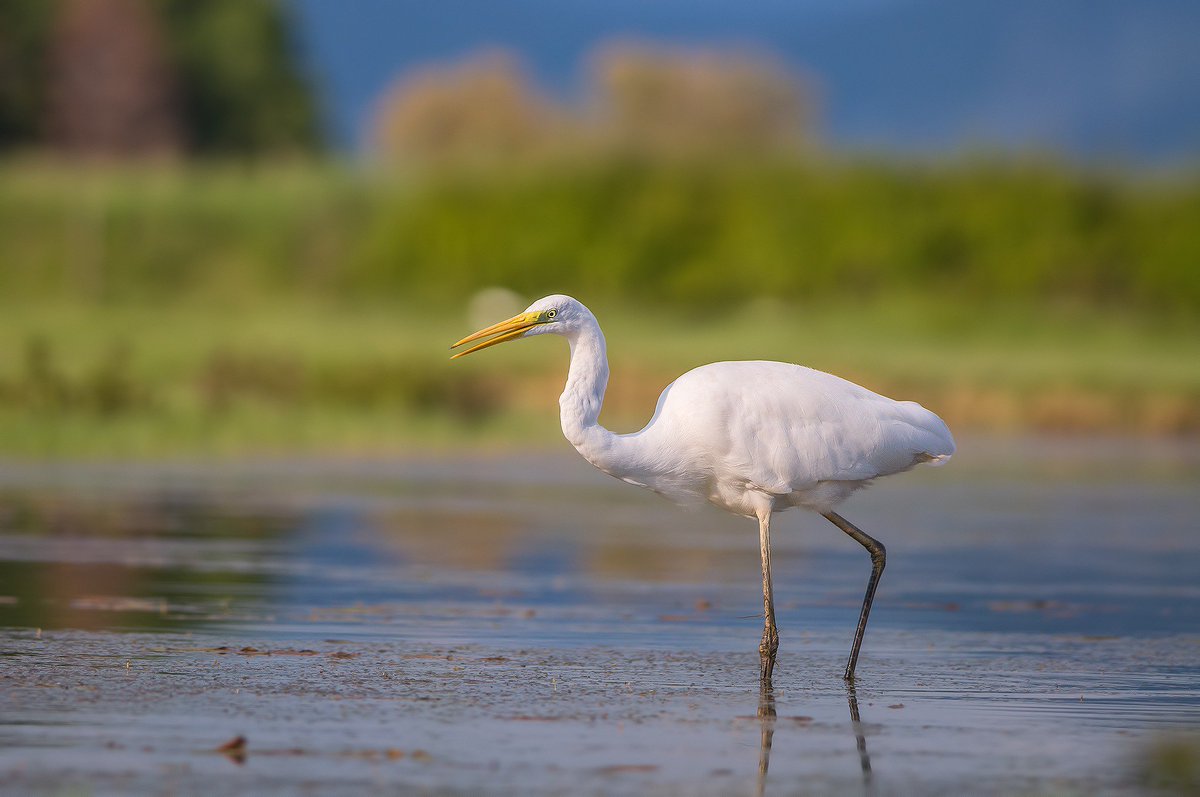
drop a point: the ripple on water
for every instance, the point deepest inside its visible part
(553, 632)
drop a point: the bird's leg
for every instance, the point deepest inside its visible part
(770, 638)
(766, 719)
(878, 561)
(864, 758)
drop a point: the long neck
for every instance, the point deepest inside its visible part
(579, 405)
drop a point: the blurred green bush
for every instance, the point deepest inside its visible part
(131, 79)
(690, 234)
(151, 304)
(709, 233)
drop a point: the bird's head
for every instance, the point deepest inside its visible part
(557, 314)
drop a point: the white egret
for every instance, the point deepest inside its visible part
(753, 438)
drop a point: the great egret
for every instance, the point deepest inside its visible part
(753, 438)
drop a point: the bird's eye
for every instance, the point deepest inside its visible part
(551, 313)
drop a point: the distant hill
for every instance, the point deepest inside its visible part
(1089, 78)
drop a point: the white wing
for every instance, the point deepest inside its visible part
(782, 428)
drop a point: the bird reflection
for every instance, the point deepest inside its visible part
(766, 719)
(864, 758)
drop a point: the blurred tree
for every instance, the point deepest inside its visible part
(482, 109)
(650, 100)
(218, 76)
(110, 91)
(668, 101)
(24, 30)
(244, 90)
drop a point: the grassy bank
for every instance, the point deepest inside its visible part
(227, 309)
(306, 377)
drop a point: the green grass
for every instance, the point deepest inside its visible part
(350, 379)
(221, 309)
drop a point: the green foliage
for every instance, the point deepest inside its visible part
(106, 389)
(273, 375)
(1171, 765)
(692, 235)
(24, 29)
(223, 309)
(150, 234)
(706, 234)
(243, 88)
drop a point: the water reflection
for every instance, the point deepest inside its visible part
(767, 718)
(1025, 626)
(864, 758)
(152, 562)
(534, 543)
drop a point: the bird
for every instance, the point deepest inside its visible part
(754, 438)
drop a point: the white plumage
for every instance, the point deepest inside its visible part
(744, 435)
(753, 437)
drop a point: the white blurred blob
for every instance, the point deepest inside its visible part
(490, 305)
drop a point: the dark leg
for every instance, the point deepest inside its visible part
(864, 758)
(770, 637)
(766, 719)
(878, 561)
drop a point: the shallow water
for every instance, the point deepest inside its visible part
(527, 625)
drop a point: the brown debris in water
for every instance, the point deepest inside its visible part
(250, 651)
(234, 749)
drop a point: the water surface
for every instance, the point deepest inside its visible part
(526, 625)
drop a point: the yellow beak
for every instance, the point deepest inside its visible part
(505, 331)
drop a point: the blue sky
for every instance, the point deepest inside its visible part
(1092, 78)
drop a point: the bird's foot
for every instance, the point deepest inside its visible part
(770, 641)
(766, 652)
(766, 668)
